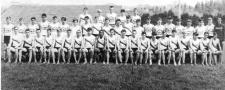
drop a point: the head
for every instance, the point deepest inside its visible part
(184, 34)
(69, 32)
(179, 22)
(159, 21)
(189, 22)
(134, 32)
(8, 19)
(96, 19)
(78, 33)
(122, 11)
(174, 32)
(138, 22)
(219, 20)
(195, 35)
(200, 22)
(135, 11)
(16, 29)
(49, 31)
(170, 19)
(148, 20)
(106, 20)
(54, 18)
(163, 34)
(210, 21)
(58, 32)
(33, 20)
(38, 32)
(86, 18)
(27, 32)
(20, 20)
(111, 9)
(128, 18)
(89, 31)
(154, 34)
(123, 32)
(63, 19)
(75, 21)
(85, 10)
(143, 34)
(43, 16)
(118, 22)
(214, 35)
(206, 34)
(101, 33)
(112, 31)
(99, 11)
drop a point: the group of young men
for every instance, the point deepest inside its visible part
(121, 39)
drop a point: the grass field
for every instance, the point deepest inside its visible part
(36, 76)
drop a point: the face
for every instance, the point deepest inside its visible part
(209, 20)
(16, 30)
(62, 20)
(112, 32)
(123, 13)
(206, 35)
(101, 33)
(75, 23)
(118, 23)
(128, 19)
(138, 23)
(219, 20)
(143, 35)
(201, 23)
(78, 33)
(27, 33)
(164, 34)
(21, 21)
(106, 21)
(33, 21)
(159, 21)
(85, 10)
(123, 33)
(58, 31)
(49, 32)
(111, 9)
(99, 13)
(43, 18)
(135, 11)
(148, 20)
(8, 20)
(178, 22)
(189, 23)
(68, 32)
(154, 36)
(55, 20)
(86, 19)
(90, 32)
(170, 20)
(174, 33)
(215, 36)
(38, 32)
(134, 33)
(184, 34)
(194, 36)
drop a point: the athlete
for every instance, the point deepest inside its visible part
(75, 27)
(154, 48)
(100, 17)
(215, 48)
(118, 27)
(33, 27)
(122, 47)
(48, 43)
(174, 47)
(83, 15)
(106, 28)
(112, 16)
(135, 16)
(96, 27)
(123, 16)
(64, 26)
(44, 24)
(189, 30)
(7, 31)
(148, 28)
(86, 25)
(22, 27)
(128, 25)
(26, 46)
(179, 28)
(134, 47)
(210, 27)
(38, 46)
(164, 47)
(88, 47)
(194, 47)
(159, 28)
(54, 26)
(100, 47)
(111, 46)
(169, 26)
(67, 46)
(204, 47)
(57, 46)
(145, 47)
(14, 44)
(77, 46)
(138, 28)
(184, 47)
(200, 29)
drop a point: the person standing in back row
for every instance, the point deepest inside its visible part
(83, 15)
(112, 16)
(220, 30)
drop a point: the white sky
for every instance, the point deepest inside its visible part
(101, 2)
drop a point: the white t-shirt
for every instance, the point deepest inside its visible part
(122, 18)
(33, 28)
(8, 29)
(200, 30)
(44, 26)
(22, 28)
(118, 30)
(139, 30)
(210, 29)
(112, 17)
(101, 19)
(74, 30)
(64, 28)
(81, 17)
(189, 31)
(86, 26)
(123, 42)
(159, 29)
(148, 29)
(89, 41)
(97, 26)
(107, 30)
(135, 17)
(16, 39)
(169, 28)
(179, 30)
(129, 26)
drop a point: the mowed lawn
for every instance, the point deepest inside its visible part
(37, 76)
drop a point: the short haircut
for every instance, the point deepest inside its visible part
(118, 20)
(122, 10)
(123, 30)
(54, 17)
(135, 9)
(189, 20)
(63, 18)
(86, 17)
(69, 30)
(206, 33)
(110, 6)
(85, 8)
(112, 29)
(174, 31)
(142, 33)
(43, 15)
(8, 18)
(75, 20)
(138, 20)
(106, 18)
(89, 29)
(163, 32)
(49, 29)
(33, 18)
(27, 30)
(38, 30)
(128, 16)
(195, 34)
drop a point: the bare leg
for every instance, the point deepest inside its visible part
(132, 57)
(163, 56)
(59, 54)
(41, 55)
(9, 55)
(127, 57)
(159, 61)
(150, 58)
(91, 54)
(141, 57)
(85, 57)
(35, 58)
(75, 57)
(30, 55)
(53, 57)
(16, 55)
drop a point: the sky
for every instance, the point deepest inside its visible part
(6, 3)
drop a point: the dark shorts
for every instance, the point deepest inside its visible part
(47, 47)
(210, 37)
(101, 50)
(128, 35)
(95, 35)
(6, 40)
(134, 49)
(168, 35)
(149, 37)
(57, 48)
(27, 48)
(157, 37)
(39, 49)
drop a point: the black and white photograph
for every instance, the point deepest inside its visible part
(112, 45)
